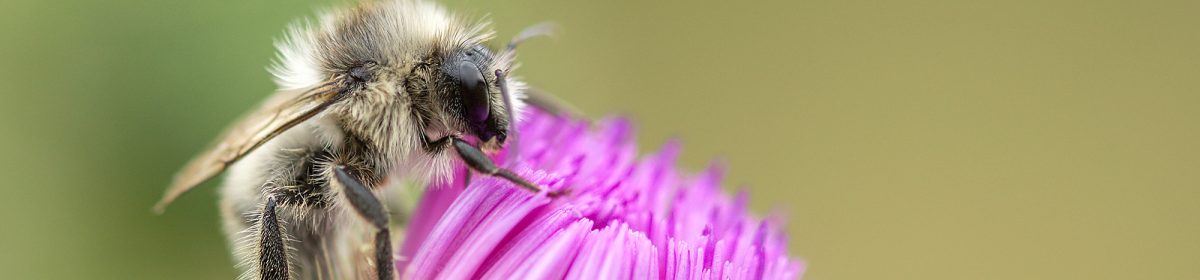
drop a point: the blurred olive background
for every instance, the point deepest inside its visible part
(902, 140)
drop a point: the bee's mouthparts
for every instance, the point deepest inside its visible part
(491, 145)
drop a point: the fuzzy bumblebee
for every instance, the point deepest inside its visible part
(383, 92)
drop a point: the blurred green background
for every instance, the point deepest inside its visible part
(902, 139)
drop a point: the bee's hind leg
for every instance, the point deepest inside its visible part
(272, 252)
(367, 206)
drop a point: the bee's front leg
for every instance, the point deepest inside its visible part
(478, 161)
(367, 206)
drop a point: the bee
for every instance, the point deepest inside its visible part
(379, 92)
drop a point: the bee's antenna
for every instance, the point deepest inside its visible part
(536, 30)
(514, 137)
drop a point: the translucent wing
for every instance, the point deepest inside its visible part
(281, 112)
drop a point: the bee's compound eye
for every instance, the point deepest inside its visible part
(474, 90)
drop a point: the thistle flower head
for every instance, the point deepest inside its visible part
(623, 218)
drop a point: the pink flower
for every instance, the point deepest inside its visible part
(623, 218)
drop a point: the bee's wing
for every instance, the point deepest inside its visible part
(282, 111)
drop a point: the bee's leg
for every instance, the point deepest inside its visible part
(478, 161)
(369, 208)
(467, 178)
(272, 252)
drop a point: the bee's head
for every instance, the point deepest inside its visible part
(456, 92)
(410, 73)
(453, 91)
(470, 95)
